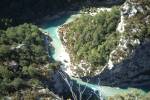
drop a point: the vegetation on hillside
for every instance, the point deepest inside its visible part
(92, 38)
(24, 61)
(23, 56)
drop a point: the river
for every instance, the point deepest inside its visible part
(60, 54)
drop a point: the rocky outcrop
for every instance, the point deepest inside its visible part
(129, 64)
(127, 43)
(131, 72)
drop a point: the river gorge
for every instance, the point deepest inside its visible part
(51, 27)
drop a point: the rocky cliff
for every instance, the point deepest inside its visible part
(129, 63)
(133, 71)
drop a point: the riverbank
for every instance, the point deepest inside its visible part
(76, 67)
(52, 27)
(57, 83)
(82, 66)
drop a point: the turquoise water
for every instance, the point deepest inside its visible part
(107, 91)
(52, 27)
(59, 54)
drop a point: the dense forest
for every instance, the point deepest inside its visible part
(23, 55)
(92, 38)
(23, 52)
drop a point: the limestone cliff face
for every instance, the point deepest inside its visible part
(126, 44)
(129, 63)
(133, 71)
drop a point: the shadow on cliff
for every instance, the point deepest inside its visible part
(61, 84)
(33, 11)
(131, 72)
(56, 21)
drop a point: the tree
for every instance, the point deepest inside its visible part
(33, 72)
(17, 83)
(4, 50)
(5, 73)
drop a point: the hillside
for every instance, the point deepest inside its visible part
(24, 61)
(107, 38)
(128, 64)
(92, 38)
(106, 46)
